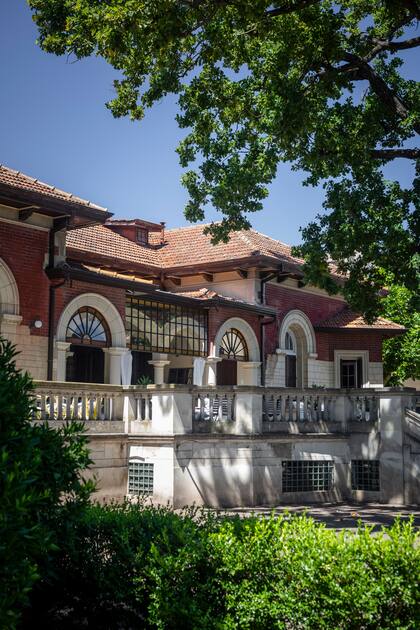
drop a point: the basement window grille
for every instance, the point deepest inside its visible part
(307, 476)
(140, 478)
(365, 475)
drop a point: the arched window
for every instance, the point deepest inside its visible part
(233, 346)
(290, 342)
(88, 327)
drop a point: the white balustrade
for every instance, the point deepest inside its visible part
(365, 407)
(73, 401)
(291, 405)
(214, 406)
(143, 406)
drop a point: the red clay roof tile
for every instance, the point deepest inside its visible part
(16, 179)
(346, 318)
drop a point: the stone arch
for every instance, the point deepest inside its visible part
(247, 332)
(301, 329)
(101, 304)
(301, 326)
(9, 294)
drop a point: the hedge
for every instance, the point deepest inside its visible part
(133, 566)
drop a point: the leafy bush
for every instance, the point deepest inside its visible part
(41, 488)
(135, 566)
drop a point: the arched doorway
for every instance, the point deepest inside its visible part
(297, 340)
(238, 352)
(233, 348)
(88, 333)
(114, 347)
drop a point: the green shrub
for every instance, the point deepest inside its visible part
(135, 566)
(41, 488)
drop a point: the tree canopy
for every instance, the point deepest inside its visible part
(317, 83)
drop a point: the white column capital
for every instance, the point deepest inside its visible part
(63, 346)
(159, 368)
(158, 364)
(213, 360)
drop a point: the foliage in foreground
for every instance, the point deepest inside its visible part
(41, 489)
(401, 354)
(133, 566)
(321, 84)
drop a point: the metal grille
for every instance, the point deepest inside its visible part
(140, 478)
(233, 346)
(365, 475)
(87, 326)
(169, 328)
(307, 476)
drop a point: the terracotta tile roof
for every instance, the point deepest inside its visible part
(103, 241)
(188, 246)
(16, 179)
(348, 319)
(184, 247)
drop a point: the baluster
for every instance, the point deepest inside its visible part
(90, 400)
(363, 409)
(200, 406)
(83, 407)
(60, 407)
(283, 400)
(68, 407)
(139, 405)
(50, 404)
(43, 405)
(220, 415)
(302, 407)
(147, 408)
(277, 408)
(211, 402)
(229, 414)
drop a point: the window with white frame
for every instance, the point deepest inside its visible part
(351, 368)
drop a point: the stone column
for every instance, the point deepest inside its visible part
(159, 362)
(391, 456)
(62, 348)
(211, 364)
(114, 364)
(249, 373)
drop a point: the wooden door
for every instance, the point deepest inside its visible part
(227, 371)
(86, 365)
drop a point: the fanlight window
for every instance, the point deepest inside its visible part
(290, 344)
(87, 326)
(233, 346)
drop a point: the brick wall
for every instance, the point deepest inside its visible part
(370, 340)
(217, 316)
(73, 288)
(317, 308)
(24, 249)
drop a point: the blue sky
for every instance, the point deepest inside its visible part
(54, 126)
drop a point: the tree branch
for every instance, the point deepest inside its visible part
(386, 44)
(391, 154)
(388, 97)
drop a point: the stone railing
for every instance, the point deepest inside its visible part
(177, 409)
(315, 405)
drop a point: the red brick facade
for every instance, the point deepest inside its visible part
(24, 250)
(317, 308)
(217, 316)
